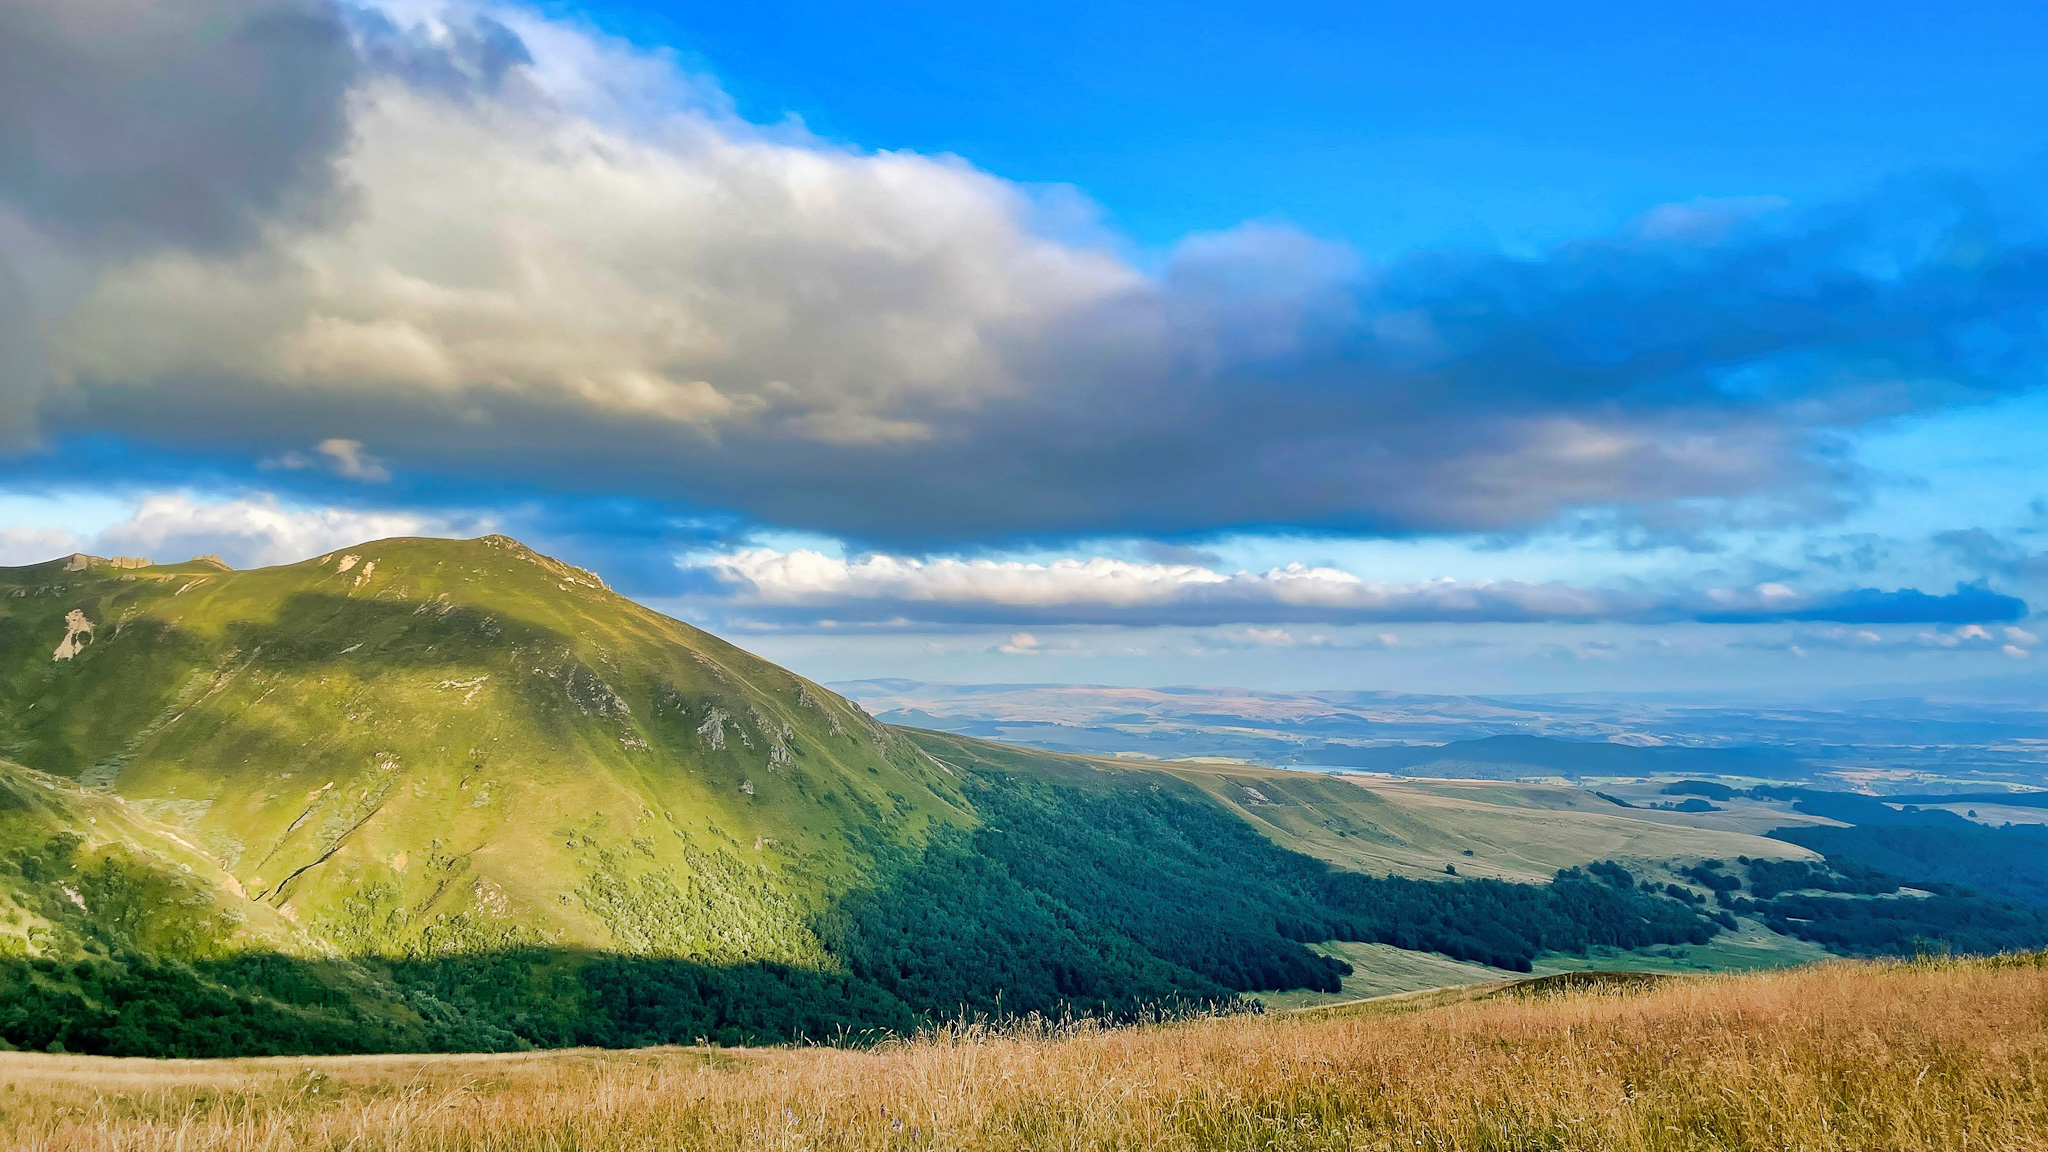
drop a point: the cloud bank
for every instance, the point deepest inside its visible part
(247, 532)
(476, 242)
(805, 585)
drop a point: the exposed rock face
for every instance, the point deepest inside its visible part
(80, 562)
(77, 634)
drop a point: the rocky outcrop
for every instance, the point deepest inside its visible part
(80, 562)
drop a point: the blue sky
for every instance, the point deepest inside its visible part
(1468, 347)
(1392, 126)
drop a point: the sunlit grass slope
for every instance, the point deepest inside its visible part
(422, 745)
(1843, 1057)
(1482, 828)
(121, 872)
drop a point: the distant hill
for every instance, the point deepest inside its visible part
(1509, 757)
(1982, 737)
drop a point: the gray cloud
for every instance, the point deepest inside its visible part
(467, 53)
(131, 124)
(541, 279)
(1989, 554)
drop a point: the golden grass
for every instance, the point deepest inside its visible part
(1857, 1057)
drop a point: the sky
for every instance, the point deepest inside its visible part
(1463, 348)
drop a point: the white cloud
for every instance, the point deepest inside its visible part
(1125, 591)
(804, 583)
(804, 575)
(2014, 642)
(256, 531)
(23, 544)
(341, 457)
(1254, 637)
(525, 251)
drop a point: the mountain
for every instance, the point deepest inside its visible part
(423, 744)
(433, 794)
(419, 749)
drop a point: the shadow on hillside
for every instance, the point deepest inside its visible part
(271, 1004)
(318, 629)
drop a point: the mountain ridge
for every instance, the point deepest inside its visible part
(434, 682)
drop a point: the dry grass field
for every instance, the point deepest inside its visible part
(1848, 1056)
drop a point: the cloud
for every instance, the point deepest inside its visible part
(24, 544)
(131, 123)
(2012, 642)
(344, 458)
(487, 244)
(801, 584)
(258, 530)
(1110, 591)
(1252, 637)
(1968, 603)
(1989, 554)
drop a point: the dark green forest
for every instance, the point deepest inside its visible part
(1855, 904)
(1977, 888)
(2011, 862)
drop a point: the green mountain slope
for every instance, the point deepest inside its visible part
(418, 746)
(79, 866)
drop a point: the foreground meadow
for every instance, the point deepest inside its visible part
(1841, 1056)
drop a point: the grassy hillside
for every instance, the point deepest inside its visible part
(1379, 970)
(78, 864)
(419, 746)
(1843, 1057)
(1505, 830)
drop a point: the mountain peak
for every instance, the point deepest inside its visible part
(405, 552)
(485, 740)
